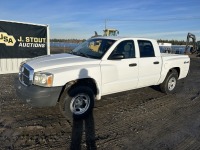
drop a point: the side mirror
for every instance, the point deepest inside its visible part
(116, 57)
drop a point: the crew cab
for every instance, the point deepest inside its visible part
(97, 67)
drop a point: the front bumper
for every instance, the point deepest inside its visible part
(38, 96)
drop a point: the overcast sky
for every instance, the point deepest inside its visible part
(159, 19)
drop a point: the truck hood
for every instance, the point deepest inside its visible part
(58, 61)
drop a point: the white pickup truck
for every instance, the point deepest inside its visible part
(97, 67)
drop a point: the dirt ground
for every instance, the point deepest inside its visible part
(138, 119)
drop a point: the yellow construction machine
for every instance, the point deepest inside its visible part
(108, 32)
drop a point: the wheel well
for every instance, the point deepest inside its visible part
(86, 82)
(177, 69)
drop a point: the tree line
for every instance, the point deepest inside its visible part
(68, 40)
(174, 42)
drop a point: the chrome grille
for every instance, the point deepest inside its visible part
(26, 74)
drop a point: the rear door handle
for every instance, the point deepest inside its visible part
(156, 62)
(132, 65)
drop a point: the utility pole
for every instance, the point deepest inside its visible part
(106, 23)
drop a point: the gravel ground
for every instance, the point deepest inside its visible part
(138, 119)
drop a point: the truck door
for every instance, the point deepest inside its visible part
(120, 74)
(149, 64)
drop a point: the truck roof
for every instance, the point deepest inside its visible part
(120, 37)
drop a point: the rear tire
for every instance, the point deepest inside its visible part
(169, 85)
(77, 103)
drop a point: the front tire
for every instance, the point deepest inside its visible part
(77, 103)
(169, 85)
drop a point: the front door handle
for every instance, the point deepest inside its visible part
(132, 65)
(156, 62)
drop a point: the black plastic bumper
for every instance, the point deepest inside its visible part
(38, 96)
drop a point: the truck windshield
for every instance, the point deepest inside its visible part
(93, 48)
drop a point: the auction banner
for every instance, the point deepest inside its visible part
(21, 40)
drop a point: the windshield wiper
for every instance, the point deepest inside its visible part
(83, 54)
(79, 54)
(74, 53)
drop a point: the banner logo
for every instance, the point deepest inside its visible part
(9, 40)
(6, 39)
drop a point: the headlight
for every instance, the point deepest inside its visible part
(43, 79)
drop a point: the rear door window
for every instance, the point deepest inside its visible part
(146, 48)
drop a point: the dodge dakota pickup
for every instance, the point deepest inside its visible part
(99, 66)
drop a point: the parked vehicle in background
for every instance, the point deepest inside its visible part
(195, 49)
